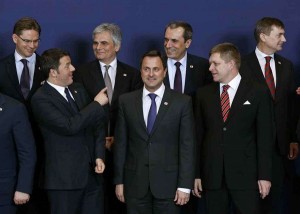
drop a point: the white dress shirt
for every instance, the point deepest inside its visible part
(61, 90)
(234, 84)
(262, 62)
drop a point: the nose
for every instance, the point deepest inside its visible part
(211, 67)
(167, 43)
(283, 38)
(72, 68)
(31, 44)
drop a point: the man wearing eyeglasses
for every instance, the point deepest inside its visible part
(20, 77)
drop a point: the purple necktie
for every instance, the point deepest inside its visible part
(152, 113)
(177, 79)
(25, 79)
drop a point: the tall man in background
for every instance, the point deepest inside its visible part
(107, 71)
(20, 77)
(276, 73)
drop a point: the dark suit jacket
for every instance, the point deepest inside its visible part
(127, 79)
(17, 150)
(161, 161)
(197, 75)
(239, 150)
(70, 144)
(284, 103)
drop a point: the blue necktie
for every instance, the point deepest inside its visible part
(152, 113)
(71, 101)
(25, 79)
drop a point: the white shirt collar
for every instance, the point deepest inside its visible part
(182, 60)
(30, 59)
(234, 83)
(113, 64)
(159, 92)
(260, 55)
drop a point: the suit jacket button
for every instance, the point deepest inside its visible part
(224, 129)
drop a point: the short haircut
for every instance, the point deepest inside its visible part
(188, 30)
(50, 59)
(113, 29)
(154, 53)
(265, 25)
(26, 23)
(228, 51)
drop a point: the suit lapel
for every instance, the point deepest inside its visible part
(96, 74)
(139, 108)
(216, 101)
(279, 75)
(12, 74)
(37, 77)
(121, 76)
(189, 75)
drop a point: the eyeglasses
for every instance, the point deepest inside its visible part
(28, 42)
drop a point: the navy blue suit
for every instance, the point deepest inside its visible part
(17, 151)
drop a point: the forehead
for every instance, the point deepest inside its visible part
(64, 60)
(152, 62)
(175, 32)
(276, 29)
(215, 57)
(30, 33)
(104, 36)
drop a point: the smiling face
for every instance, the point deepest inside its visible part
(221, 70)
(63, 76)
(273, 42)
(104, 48)
(175, 45)
(26, 43)
(152, 72)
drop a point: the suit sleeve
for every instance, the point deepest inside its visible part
(265, 136)
(26, 150)
(186, 146)
(100, 141)
(49, 113)
(121, 139)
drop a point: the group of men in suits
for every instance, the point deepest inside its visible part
(245, 134)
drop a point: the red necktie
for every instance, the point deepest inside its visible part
(225, 104)
(269, 76)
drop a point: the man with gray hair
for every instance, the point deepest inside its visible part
(119, 78)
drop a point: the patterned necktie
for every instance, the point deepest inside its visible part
(71, 101)
(269, 76)
(178, 80)
(25, 79)
(225, 104)
(108, 84)
(152, 113)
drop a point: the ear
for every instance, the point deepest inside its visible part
(165, 72)
(262, 37)
(188, 43)
(53, 73)
(117, 48)
(15, 38)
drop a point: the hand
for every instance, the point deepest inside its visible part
(264, 188)
(197, 188)
(120, 192)
(100, 166)
(101, 97)
(21, 198)
(298, 91)
(294, 151)
(109, 141)
(181, 198)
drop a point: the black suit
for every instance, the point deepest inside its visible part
(9, 85)
(162, 161)
(71, 147)
(237, 153)
(17, 152)
(197, 75)
(127, 79)
(284, 116)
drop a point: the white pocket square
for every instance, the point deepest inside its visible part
(247, 103)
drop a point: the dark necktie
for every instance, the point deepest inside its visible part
(225, 103)
(71, 101)
(177, 79)
(25, 79)
(152, 113)
(108, 84)
(269, 76)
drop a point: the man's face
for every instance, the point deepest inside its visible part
(220, 70)
(175, 46)
(275, 40)
(152, 72)
(64, 73)
(27, 42)
(104, 48)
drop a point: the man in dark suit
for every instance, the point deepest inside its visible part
(17, 155)
(122, 77)
(13, 82)
(235, 137)
(193, 70)
(154, 148)
(269, 34)
(73, 136)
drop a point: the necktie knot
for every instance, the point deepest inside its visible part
(268, 59)
(152, 96)
(225, 88)
(24, 61)
(106, 67)
(177, 64)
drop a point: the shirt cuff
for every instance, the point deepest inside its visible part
(184, 190)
